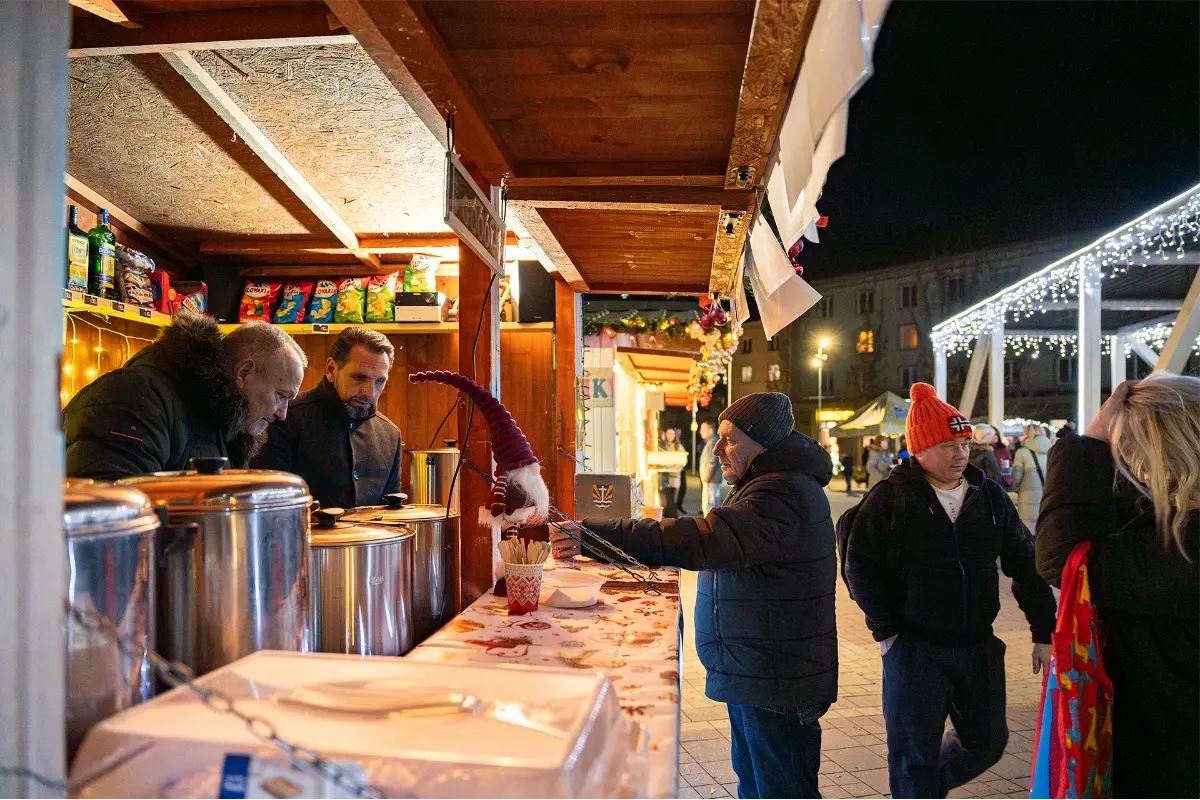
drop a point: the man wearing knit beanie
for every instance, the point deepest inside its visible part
(921, 563)
(765, 626)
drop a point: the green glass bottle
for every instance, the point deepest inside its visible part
(78, 245)
(103, 259)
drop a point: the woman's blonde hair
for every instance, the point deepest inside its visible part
(1033, 431)
(1156, 444)
(983, 433)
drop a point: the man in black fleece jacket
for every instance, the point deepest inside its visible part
(921, 563)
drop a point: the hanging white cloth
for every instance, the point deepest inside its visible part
(789, 300)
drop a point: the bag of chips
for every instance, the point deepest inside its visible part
(421, 274)
(191, 296)
(292, 303)
(257, 301)
(133, 277)
(381, 298)
(323, 299)
(351, 300)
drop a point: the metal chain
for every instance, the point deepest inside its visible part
(176, 674)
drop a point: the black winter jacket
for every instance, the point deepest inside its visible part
(173, 401)
(345, 462)
(1148, 599)
(942, 586)
(765, 625)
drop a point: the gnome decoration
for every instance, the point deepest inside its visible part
(519, 495)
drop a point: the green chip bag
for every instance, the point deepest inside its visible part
(351, 301)
(381, 298)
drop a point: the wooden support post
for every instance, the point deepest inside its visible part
(975, 375)
(33, 561)
(477, 360)
(939, 372)
(996, 379)
(1175, 352)
(568, 368)
(1087, 373)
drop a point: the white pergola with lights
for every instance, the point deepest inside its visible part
(1163, 332)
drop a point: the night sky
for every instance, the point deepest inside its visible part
(992, 122)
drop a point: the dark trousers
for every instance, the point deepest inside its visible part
(849, 473)
(776, 751)
(924, 683)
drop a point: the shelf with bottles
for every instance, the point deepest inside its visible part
(81, 301)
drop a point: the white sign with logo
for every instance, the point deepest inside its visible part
(599, 388)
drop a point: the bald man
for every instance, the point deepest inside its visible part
(192, 393)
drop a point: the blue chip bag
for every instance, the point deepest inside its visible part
(292, 303)
(323, 300)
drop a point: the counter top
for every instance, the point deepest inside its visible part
(631, 635)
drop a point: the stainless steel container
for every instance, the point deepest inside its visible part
(431, 473)
(362, 581)
(431, 557)
(110, 534)
(232, 569)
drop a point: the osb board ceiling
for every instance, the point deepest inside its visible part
(140, 136)
(564, 81)
(638, 251)
(336, 117)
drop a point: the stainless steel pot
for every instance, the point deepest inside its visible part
(431, 473)
(110, 535)
(431, 557)
(362, 581)
(233, 566)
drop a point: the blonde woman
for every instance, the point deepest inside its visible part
(1131, 485)
(1029, 473)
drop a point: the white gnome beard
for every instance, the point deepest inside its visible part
(528, 481)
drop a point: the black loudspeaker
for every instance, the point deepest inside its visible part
(224, 291)
(534, 295)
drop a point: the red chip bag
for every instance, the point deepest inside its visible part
(257, 301)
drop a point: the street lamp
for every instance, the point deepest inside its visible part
(818, 361)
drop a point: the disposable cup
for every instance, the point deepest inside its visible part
(524, 584)
(652, 512)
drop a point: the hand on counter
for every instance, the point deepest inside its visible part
(561, 544)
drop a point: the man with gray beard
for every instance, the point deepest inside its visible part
(334, 437)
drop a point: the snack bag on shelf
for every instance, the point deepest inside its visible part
(292, 303)
(134, 273)
(421, 274)
(257, 301)
(351, 301)
(190, 296)
(381, 298)
(160, 287)
(323, 299)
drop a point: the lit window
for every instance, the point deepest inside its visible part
(866, 342)
(747, 374)
(866, 302)
(908, 376)
(774, 373)
(908, 296)
(909, 338)
(747, 346)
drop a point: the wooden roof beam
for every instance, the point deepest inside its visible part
(287, 245)
(278, 26)
(634, 173)
(225, 106)
(633, 198)
(407, 47)
(526, 217)
(107, 10)
(78, 189)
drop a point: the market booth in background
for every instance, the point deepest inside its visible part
(241, 146)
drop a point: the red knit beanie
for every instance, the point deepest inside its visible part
(931, 420)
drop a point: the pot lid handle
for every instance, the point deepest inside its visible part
(450, 442)
(328, 517)
(209, 465)
(396, 500)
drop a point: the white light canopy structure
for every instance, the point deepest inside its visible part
(1106, 298)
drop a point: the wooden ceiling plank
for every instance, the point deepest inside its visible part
(565, 178)
(235, 28)
(629, 197)
(100, 201)
(411, 53)
(531, 220)
(225, 106)
(107, 10)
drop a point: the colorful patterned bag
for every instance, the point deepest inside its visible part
(1072, 749)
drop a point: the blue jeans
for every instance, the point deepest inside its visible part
(776, 751)
(710, 497)
(923, 684)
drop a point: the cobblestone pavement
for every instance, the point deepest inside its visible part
(854, 756)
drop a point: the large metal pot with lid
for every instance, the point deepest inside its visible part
(430, 474)
(110, 533)
(232, 565)
(362, 581)
(435, 531)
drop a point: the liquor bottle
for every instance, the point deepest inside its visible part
(77, 254)
(103, 259)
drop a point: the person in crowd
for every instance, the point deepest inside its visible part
(848, 471)
(335, 438)
(192, 393)
(1068, 429)
(681, 494)
(1004, 459)
(1029, 474)
(903, 454)
(670, 480)
(1131, 486)
(921, 561)
(774, 661)
(879, 463)
(710, 470)
(983, 454)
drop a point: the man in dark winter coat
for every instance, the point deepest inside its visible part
(921, 563)
(765, 626)
(191, 393)
(334, 437)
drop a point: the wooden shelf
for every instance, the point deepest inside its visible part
(79, 301)
(398, 327)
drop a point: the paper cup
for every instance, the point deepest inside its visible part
(524, 586)
(652, 512)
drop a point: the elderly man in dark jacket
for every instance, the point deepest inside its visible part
(191, 393)
(921, 563)
(765, 625)
(335, 438)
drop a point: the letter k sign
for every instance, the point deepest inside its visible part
(598, 388)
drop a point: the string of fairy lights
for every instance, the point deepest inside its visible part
(1166, 232)
(82, 364)
(1066, 345)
